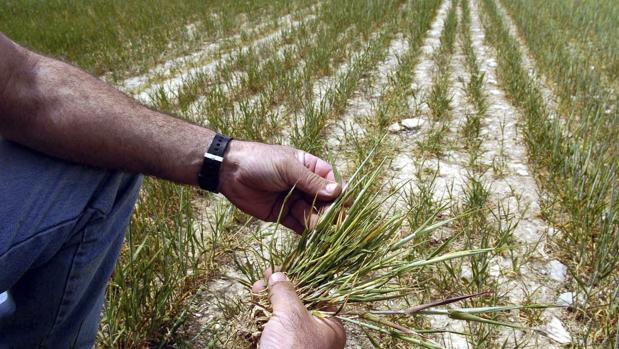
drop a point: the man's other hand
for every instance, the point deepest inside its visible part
(291, 326)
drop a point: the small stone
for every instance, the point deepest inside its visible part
(394, 128)
(412, 124)
(556, 331)
(527, 232)
(466, 273)
(569, 299)
(557, 270)
(566, 299)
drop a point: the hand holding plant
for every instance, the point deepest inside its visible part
(291, 325)
(258, 179)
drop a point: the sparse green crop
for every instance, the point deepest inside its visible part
(322, 76)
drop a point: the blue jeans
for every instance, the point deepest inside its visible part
(61, 229)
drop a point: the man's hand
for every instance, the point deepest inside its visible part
(257, 178)
(291, 326)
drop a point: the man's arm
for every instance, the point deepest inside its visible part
(57, 109)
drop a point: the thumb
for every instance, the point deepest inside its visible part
(313, 184)
(283, 296)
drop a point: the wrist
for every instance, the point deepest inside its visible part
(209, 174)
(232, 159)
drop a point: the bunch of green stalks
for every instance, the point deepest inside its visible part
(157, 269)
(166, 321)
(353, 258)
(581, 187)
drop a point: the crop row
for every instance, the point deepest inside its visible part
(574, 171)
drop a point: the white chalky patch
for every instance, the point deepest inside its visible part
(466, 272)
(403, 164)
(413, 123)
(450, 340)
(520, 169)
(566, 299)
(527, 231)
(394, 128)
(557, 270)
(191, 30)
(557, 331)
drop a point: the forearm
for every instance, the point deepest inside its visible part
(62, 111)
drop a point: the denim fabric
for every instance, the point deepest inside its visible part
(61, 228)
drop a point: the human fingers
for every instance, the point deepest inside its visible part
(292, 223)
(304, 212)
(332, 329)
(283, 296)
(258, 286)
(268, 271)
(306, 176)
(318, 166)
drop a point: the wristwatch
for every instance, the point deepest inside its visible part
(208, 177)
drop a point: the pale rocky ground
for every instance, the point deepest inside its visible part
(172, 74)
(539, 278)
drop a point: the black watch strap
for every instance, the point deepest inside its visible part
(208, 177)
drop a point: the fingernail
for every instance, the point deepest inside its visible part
(277, 277)
(331, 187)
